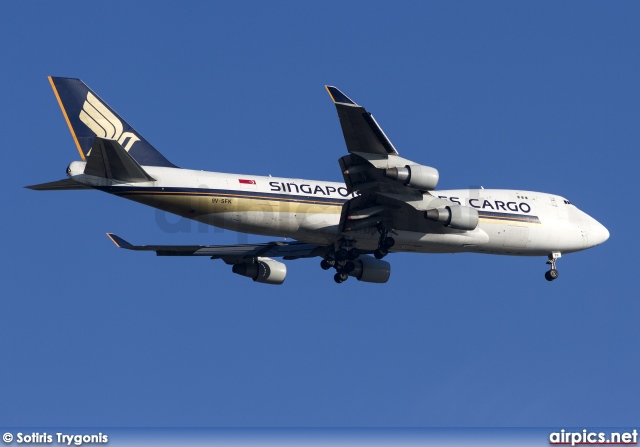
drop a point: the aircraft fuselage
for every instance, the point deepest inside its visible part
(512, 222)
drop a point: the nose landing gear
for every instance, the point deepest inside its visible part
(552, 273)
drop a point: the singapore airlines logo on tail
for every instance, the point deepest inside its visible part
(104, 123)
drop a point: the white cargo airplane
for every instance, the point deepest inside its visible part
(386, 203)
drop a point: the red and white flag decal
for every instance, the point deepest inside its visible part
(247, 182)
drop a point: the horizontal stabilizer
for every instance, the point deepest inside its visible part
(108, 159)
(229, 253)
(60, 185)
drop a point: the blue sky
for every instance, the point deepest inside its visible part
(537, 96)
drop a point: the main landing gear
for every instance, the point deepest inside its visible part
(384, 243)
(552, 273)
(342, 261)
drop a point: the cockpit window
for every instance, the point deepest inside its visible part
(567, 202)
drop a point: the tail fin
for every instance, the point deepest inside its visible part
(88, 117)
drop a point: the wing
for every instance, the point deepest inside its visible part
(255, 260)
(361, 131)
(373, 165)
(392, 191)
(231, 254)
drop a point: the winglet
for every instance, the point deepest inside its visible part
(120, 243)
(338, 97)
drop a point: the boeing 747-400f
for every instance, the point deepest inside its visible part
(386, 203)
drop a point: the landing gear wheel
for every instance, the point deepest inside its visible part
(348, 267)
(384, 243)
(326, 265)
(342, 254)
(353, 254)
(381, 253)
(340, 277)
(553, 272)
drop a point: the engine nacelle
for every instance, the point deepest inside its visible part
(369, 269)
(454, 216)
(264, 270)
(424, 178)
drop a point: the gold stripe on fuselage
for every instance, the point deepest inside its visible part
(511, 221)
(192, 205)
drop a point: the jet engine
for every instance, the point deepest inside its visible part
(369, 269)
(454, 216)
(424, 178)
(263, 270)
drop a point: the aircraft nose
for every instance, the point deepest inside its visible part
(599, 233)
